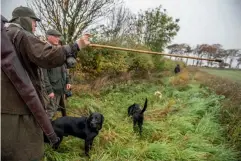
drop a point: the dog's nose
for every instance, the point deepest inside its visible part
(93, 124)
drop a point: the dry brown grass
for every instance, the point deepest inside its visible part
(160, 114)
(156, 136)
(107, 136)
(100, 82)
(81, 87)
(221, 86)
(182, 78)
(157, 115)
(106, 80)
(94, 85)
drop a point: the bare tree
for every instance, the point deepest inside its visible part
(232, 53)
(119, 21)
(207, 50)
(239, 61)
(199, 53)
(117, 26)
(213, 52)
(224, 55)
(70, 17)
(180, 49)
(174, 48)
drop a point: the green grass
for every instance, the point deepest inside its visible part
(234, 75)
(182, 126)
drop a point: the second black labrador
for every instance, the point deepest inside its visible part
(137, 115)
(86, 128)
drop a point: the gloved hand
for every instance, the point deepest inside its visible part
(56, 144)
(52, 139)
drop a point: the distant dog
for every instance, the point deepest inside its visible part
(177, 69)
(86, 128)
(137, 115)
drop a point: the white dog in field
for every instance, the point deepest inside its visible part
(158, 94)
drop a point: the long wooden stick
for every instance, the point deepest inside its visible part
(150, 52)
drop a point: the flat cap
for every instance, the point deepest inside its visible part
(53, 32)
(23, 12)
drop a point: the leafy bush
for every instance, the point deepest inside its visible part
(166, 64)
(140, 62)
(99, 61)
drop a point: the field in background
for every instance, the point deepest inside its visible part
(234, 75)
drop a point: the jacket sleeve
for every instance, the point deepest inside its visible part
(67, 79)
(44, 54)
(67, 76)
(46, 82)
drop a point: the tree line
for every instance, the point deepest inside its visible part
(209, 51)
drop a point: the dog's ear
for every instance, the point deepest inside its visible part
(130, 109)
(89, 119)
(90, 113)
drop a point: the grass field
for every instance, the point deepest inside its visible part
(234, 75)
(181, 125)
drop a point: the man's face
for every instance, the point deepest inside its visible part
(34, 25)
(53, 39)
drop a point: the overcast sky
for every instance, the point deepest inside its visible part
(201, 21)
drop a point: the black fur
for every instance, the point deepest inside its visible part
(86, 128)
(137, 115)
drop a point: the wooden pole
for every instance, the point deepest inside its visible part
(150, 52)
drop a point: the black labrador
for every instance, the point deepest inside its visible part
(137, 115)
(86, 128)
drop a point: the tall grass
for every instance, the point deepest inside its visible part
(181, 125)
(231, 107)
